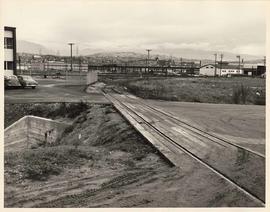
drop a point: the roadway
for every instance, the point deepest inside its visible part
(53, 90)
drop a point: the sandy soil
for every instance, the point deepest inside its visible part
(125, 171)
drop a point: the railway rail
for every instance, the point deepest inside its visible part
(241, 167)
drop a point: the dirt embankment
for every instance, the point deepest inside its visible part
(101, 161)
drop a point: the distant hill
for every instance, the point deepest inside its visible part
(163, 53)
(31, 48)
(186, 54)
(206, 54)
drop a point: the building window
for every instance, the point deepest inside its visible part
(8, 65)
(8, 43)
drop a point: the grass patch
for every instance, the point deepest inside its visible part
(39, 164)
(238, 90)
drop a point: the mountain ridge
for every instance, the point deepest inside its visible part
(188, 54)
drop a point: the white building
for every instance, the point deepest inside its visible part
(231, 71)
(220, 70)
(208, 70)
(10, 51)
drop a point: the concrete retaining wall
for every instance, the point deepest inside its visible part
(92, 76)
(31, 130)
(79, 79)
(82, 78)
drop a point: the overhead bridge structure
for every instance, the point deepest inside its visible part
(114, 68)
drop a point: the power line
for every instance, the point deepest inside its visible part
(215, 63)
(239, 59)
(71, 44)
(148, 55)
(221, 57)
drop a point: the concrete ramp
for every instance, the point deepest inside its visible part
(31, 130)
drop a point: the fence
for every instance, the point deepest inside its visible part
(50, 69)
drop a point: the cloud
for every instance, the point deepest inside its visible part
(118, 25)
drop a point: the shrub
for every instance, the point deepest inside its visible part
(58, 110)
(76, 109)
(236, 96)
(37, 110)
(68, 130)
(240, 94)
(71, 110)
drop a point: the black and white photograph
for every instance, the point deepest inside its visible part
(134, 104)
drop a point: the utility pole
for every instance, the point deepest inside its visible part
(221, 57)
(215, 64)
(239, 59)
(71, 44)
(181, 63)
(80, 63)
(148, 57)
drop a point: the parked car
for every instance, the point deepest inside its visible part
(27, 81)
(12, 82)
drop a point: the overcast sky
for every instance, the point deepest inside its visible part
(237, 27)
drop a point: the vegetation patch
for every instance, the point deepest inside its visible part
(14, 112)
(238, 90)
(103, 126)
(39, 164)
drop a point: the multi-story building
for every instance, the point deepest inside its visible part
(10, 51)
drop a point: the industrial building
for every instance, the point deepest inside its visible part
(10, 51)
(254, 69)
(221, 69)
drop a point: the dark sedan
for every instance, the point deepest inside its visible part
(12, 82)
(27, 81)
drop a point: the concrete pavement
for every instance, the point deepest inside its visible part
(53, 90)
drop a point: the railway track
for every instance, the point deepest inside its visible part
(202, 132)
(241, 167)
